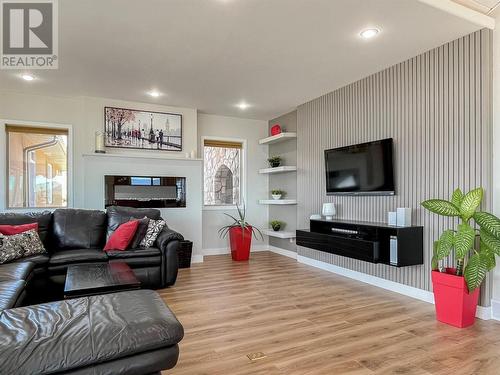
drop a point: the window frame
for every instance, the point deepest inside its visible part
(243, 172)
(4, 177)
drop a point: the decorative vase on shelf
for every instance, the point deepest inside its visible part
(329, 211)
(99, 142)
(276, 196)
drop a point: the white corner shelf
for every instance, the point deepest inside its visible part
(285, 168)
(277, 138)
(278, 234)
(278, 201)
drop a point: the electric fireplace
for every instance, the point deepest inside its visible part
(145, 191)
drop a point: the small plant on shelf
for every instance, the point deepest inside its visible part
(277, 225)
(277, 193)
(474, 252)
(274, 161)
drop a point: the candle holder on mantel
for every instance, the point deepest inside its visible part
(99, 142)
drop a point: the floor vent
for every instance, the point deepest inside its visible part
(256, 356)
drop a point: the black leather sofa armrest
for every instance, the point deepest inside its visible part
(168, 242)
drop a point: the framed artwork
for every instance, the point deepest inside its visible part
(145, 130)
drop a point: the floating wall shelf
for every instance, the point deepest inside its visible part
(278, 234)
(282, 169)
(277, 138)
(278, 201)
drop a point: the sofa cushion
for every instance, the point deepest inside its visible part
(134, 253)
(39, 260)
(10, 293)
(118, 215)
(84, 332)
(44, 220)
(137, 257)
(16, 271)
(77, 256)
(79, 229)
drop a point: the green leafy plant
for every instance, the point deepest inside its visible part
(278, 192)
(476, 246)
(239, 222)
(276, 225)
(274, 161)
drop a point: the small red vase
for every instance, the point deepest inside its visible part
(240, 241)
(454, 304)
(275, 129)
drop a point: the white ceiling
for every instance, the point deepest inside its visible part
(212, 54)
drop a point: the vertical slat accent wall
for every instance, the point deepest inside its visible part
(437, 107)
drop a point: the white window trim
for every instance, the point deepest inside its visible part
(243, 182)
(4, 205)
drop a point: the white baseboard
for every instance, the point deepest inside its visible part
(495, 309)
(225, 250)
(484, 313)
(284, 252)
(196, 258)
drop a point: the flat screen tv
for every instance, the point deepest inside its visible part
(362, 169)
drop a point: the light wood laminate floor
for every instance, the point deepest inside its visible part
(309, 321)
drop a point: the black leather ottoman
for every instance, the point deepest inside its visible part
(128, 333)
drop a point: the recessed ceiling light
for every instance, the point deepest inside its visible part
(154, 94)
(369, 33)
(28, 77)
(243, 105)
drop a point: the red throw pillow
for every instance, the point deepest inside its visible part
(122, 236)
(10, 230)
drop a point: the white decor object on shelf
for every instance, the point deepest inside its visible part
(276, 196)
(99, 142)
(278, 201)
(392, 218)
(277, 138)
(315, 217)
(282, 169)
(403, 217)
(328, 210)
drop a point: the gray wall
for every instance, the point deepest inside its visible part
(437, 107)
(285, 181)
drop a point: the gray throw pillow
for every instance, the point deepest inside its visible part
(154, 229)
(140, 233)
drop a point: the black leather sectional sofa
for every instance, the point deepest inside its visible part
(130, 332)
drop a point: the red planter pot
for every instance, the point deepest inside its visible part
(454, 304)
(240, 241)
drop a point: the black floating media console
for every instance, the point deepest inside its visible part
(366, 241)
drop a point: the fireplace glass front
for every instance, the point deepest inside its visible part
(145, 191)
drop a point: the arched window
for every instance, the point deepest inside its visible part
(222, 172)
(223, 185)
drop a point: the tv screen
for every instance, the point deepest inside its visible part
(363, 169)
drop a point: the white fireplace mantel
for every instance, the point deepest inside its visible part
(136, 156)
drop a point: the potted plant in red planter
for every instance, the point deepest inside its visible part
(456, 290)
(240, 235)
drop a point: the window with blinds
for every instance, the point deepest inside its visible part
(37, 166)
(222, 167)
